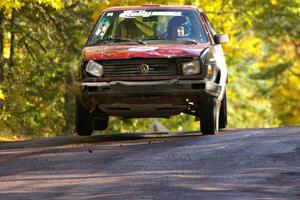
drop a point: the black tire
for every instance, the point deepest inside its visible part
(100, 121)
(223, 112)
(209, 117)
(84, 121)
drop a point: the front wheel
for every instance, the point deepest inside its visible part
(84, 121)
(209, 117)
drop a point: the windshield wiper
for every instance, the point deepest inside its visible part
(191, 41)
(123, 40)
(155, 38)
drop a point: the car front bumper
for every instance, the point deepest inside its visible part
(147, 88)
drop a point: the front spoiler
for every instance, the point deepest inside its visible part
(147, 88)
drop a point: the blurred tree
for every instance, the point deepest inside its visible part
(36, 71)
(277, 24)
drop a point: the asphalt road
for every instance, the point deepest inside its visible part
(237, 164)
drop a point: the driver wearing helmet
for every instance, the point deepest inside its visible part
(178, 27)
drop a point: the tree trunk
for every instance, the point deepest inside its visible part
(12, 40)
(1, 44)
(69, 105)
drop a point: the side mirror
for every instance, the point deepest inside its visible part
(221, 38)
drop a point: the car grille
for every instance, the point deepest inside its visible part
(130, 67)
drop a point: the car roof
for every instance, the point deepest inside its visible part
(152, 7)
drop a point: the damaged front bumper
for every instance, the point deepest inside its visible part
(147, 88)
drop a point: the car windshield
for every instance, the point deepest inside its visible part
(149, 26)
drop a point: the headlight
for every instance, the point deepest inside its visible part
(94, 68)
(191, 68)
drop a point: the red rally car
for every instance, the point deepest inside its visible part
(152, 61)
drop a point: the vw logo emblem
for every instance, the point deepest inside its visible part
(143, 68)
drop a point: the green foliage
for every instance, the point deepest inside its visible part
(10, 5)
(2, 96)
(47, 43)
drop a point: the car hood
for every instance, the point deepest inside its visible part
(143, 51)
